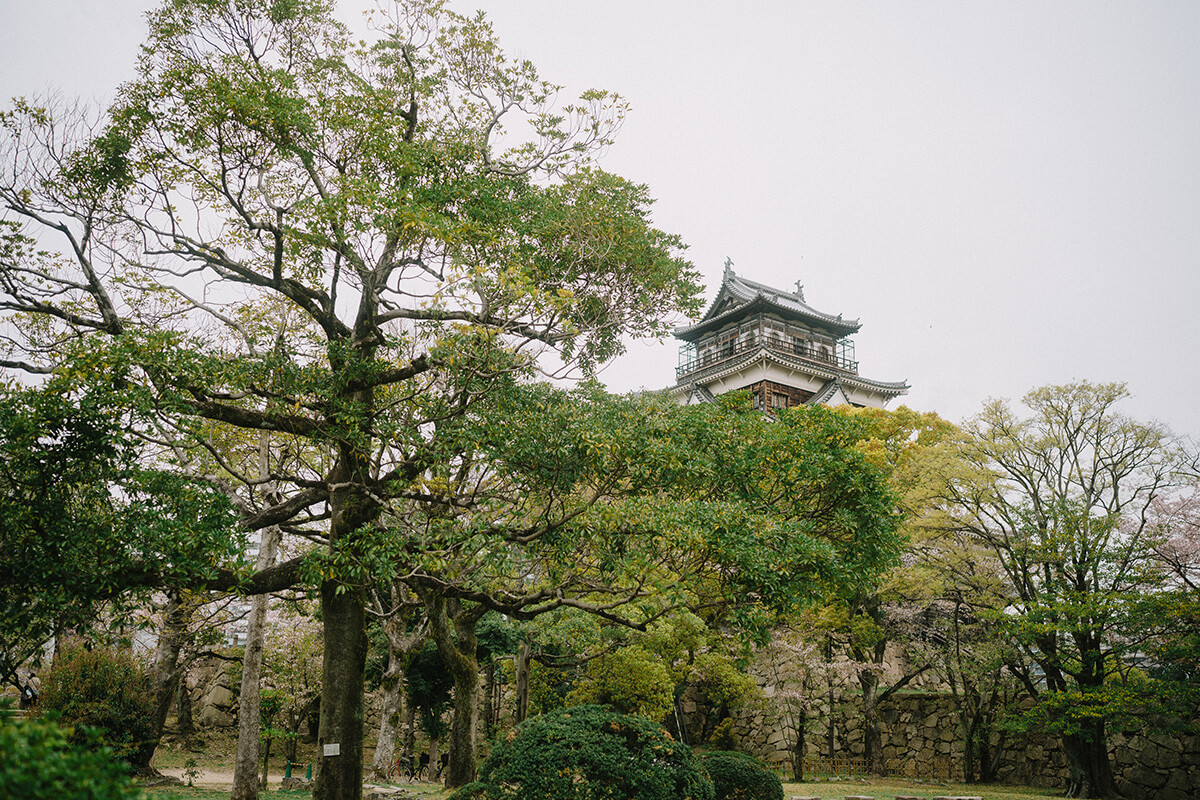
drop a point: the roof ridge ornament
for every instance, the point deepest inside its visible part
(800, 291)
(728, 266)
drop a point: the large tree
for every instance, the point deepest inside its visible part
(629, 507)
(878, 614)
(1068, 519)
(430, 220)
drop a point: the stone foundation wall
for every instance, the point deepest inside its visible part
(921, 740)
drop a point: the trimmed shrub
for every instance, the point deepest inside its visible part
(39, 763)
(590, 753)
(107, 690)
(738, 776)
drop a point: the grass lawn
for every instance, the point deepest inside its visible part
(885, 789)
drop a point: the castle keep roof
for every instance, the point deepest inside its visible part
(739, 297)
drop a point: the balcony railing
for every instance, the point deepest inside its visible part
(805, 351)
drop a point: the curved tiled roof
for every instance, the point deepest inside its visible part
(737, 294)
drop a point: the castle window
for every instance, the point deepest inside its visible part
(727, 345)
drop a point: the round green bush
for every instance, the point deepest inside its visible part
(107, 690)
(738, 776)
(39, 763)
(590, 753)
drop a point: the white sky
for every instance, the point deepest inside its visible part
(1006, 194)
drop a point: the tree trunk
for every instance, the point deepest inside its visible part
(339, 742)
(831, 732)
(453, 630)
(290, 744)
(266, 762)
(1089, 772)
(989, 758)
(521, 668)
(970, 752)
(868, 679)
(245, 765)
(798, 750)
(435, 756)
(410, 731)
(344, 622)
(183, 708)
(402, 644)
(172, 636)
(488, 712)
(389, 725)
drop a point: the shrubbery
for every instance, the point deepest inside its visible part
(723, 736)
(107, 690)
(630, 681)
(39, 763)
(738, 776)
(590, 753)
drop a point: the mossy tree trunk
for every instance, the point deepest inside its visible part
(452, 626)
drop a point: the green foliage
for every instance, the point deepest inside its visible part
(628, 681)
(1174, 619)
(291, 668)
(793, 508)
(108, 691)
(192, 771)
(496, 636)
(589, 753)
(42, 761)
(865, 632)
(723, 737)
(704, 503)
(1062, 500)
(737, 776)
(429, 684)
(708, 661)
(1132, 704)
(548, 688)
(82, 524)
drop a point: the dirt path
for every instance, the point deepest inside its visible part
(210, 779)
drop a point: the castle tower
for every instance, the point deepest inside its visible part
(775, 345)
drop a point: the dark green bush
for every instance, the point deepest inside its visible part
(738, 776)
(37, 762)
(590, 753)
(107, 690)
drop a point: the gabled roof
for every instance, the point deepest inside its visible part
(701, 394)
(831, 388)
(739, 297)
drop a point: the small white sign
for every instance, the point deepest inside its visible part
(334, 749)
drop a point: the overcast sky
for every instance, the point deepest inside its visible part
(1006, 194)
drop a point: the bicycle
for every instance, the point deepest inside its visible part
(408, 768)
